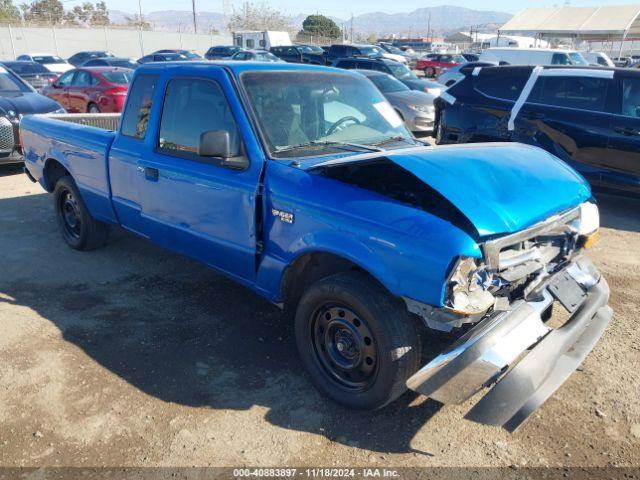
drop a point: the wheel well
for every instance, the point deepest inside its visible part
(53, 171)
(308, 269)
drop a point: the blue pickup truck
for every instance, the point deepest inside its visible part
(301, 183)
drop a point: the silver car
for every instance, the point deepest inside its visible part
(414, 107)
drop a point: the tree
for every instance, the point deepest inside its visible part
(100, 15)
(45, 11)
(9, 12)
(258, 16)
(322, 26)
(372, 38)
(136, 21)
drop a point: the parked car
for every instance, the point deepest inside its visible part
(393, 50)
(53, 63)
(395, 69)
(336, 52)
(300, 54)
(359, 229)
(122, 62)
(91, 89)
(454, 74)
(221, 52)
(471, 57)
(433, 64)
(622, 61)
(81, 57)
(190, 54)
(588, 117)
(163, 57)
(414, 108)
(255, 56)
(36, 75)
(599, 58)
(17, 99)
(533, 56)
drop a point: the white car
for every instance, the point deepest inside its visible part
(599, 58)
(52, 62)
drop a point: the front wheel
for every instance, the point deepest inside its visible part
(358, 342)
(93, 108)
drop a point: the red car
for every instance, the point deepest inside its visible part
(435, 63)
(91, 89)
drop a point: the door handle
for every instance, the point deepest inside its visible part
(151, 174)
(626, 130)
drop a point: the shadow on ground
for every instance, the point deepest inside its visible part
(618, 212)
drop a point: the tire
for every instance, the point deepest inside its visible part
(79, 229)
(93, 108)
(429, 72)
(347, 313)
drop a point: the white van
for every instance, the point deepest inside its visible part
(261, 40)
(532, 56)
(599, 58)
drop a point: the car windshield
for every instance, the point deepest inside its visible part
(48, 59)
(190, 54)
(24, 68)
(299, 111)
(310, 49)
(394, 50)
(388, 84)
(10, 83)
(122, 77)
(266, 57)
(400, 71)
(371, 51)
(123, 63)
(577, 59)
(459, 59)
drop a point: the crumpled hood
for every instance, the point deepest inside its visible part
(500, 187)
(26, 103)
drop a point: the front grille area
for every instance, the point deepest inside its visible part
(7, 140)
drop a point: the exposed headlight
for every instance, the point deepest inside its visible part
(421, 108)
(466, 289)
(589, 218)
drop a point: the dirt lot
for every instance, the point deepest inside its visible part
(133, 356)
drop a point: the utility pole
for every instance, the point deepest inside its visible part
(140, 35)
(352, 28)
(195, 23)
(429, 27)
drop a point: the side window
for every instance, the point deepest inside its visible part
(136, 113)
(584, 93)
(83, 79)
(560, 59)
(631, 97)
(262, 43)
(250, 43)
(65, 80)
(276, 50)
(349, 64)
(364, 65)
(338, 50)
(292, 51)
(506, 87)
(380, 67)
(191, 108)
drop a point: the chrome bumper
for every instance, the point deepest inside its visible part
(486, 352)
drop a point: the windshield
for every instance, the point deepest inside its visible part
(310, 49)
(121, 77)
(295, 108)
(23, 68)
(388, 84)
(371, 51)
(123, 64)
(578, 59)
(10, 84)
(266, 57)
(48, 59)
(400, 71)
(394, 50)
(459, 59)
(190, 54)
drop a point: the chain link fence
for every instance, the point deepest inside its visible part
(122, 42)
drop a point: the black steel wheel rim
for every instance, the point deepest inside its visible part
(70, 214)
(344, 346)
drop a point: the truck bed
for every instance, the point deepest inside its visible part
(81, 144)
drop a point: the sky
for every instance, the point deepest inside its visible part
(342, 8)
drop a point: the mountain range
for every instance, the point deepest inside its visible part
(438, 20)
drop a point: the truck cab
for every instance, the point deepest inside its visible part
(302, 183)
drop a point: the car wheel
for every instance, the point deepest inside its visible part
(79, 229)
(358, 343)
(93, 108)
(429, 72)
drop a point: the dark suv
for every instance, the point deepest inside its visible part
(336, 52)
(589, 117)
(395, 69)
(300, 54)
(221, 52)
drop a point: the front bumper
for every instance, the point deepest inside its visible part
(543, 357)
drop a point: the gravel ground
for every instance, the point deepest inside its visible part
(133, 356)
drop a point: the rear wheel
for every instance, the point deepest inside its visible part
(93, 108)
(429, 72)
(358, 342)
(79, 229)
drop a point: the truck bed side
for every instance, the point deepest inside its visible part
(82, 150)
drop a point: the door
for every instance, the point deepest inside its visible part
(59, 90)
(82, 88)
(566, 115)
(623, 160)
(192, 204)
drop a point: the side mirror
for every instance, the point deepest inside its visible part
(221, 144)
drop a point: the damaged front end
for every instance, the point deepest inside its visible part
(508, 298)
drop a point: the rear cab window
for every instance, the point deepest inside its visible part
(136, 114)
(583, 93)
(503, 87)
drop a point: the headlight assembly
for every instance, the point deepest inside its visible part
(466, 289)
(589, 218)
